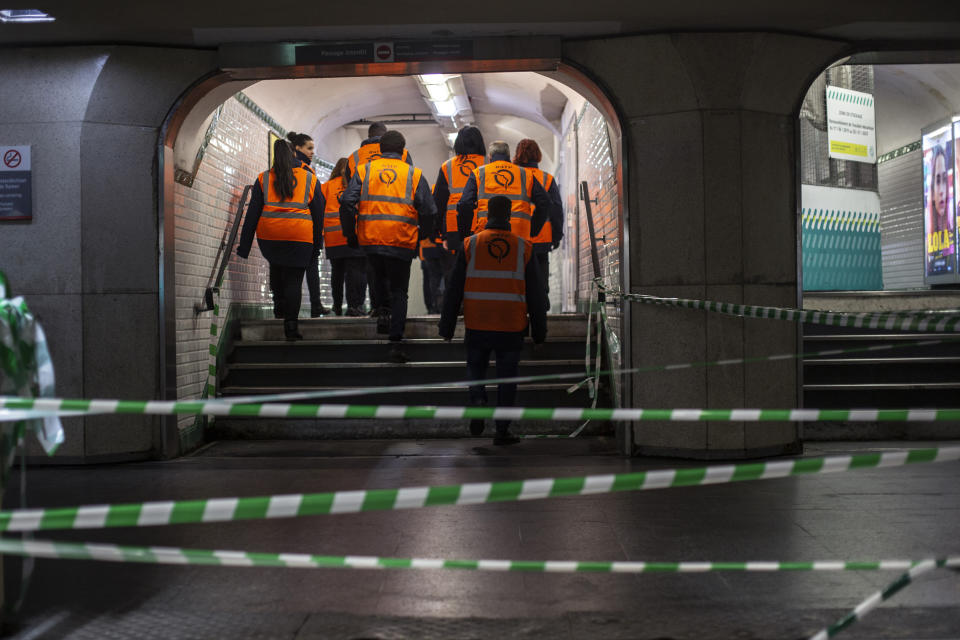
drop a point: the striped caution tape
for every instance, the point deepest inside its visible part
(884, 594)
(299, 505)
(940, 321)
(406, 412)
(173, 555)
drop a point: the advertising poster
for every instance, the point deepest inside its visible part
(939, 204)
(956, 188)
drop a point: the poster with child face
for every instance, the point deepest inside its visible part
(939, 203)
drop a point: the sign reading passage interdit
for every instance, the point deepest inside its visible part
(16, 197)
(851, 125)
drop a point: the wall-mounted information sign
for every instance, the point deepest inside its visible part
(851, 126)
(939, 204)
(384, 51)
(16, 193)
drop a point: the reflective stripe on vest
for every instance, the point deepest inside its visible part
(521, 209)
(546, 232)
(287, 220)
(386, 215)
(453, 171)
(332, 232)
(495, 299)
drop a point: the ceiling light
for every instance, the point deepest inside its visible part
(438, 92)
(433, 78)
(24, 15)
(452, 138)
(445, 107)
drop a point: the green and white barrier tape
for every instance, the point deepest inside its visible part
(180, 556)
(879, 597)
(57, 406)
(308, 504)
(939, 321)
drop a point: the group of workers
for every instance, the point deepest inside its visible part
(485, 255)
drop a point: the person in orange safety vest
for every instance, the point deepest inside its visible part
(303, 148)
(451, 179)
(370, 150)
(499, 286)
(348, 266)
(528, 156)
(529, 203)
(286, 215)
(384, 210)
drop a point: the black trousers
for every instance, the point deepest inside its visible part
(286, 284)
(313, 277)
(543, 260)
(391, 279)
(508, 364)
(353, 273)
(375, 301)
(432, 283)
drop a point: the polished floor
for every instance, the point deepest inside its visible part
(910, 512)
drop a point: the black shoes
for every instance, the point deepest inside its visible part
(476, 427)
(318, 310)
(290, 331)
(505, 437)
(338, 310)
(355, 312)
(397, 354)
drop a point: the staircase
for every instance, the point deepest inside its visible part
(340, 353)
(913, 377)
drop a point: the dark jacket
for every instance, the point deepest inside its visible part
(422, 202)
(279, 252)
(468, 203)
(347, 176)
(555, 216)
(304, 161)
(506, 340)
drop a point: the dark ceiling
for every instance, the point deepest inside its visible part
(209, 23)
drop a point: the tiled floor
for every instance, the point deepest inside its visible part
(909, 512)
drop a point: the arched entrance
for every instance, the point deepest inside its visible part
(555, 99)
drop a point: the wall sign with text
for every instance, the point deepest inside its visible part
(851, 125)
(16, 185)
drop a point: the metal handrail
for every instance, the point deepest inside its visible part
(594, 254)
(223, 256)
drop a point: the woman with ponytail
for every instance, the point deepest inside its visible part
(303, 148)
(286, 215)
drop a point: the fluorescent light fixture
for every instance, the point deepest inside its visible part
(438, 92)
(433, 78)
(445, 108)
(24, 15)
(451, 138)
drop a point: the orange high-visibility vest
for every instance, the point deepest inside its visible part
(332, 231)
(427, 244)
(385, 214)
(546, 233)
(308, 167)
(502, 178)
(367, 153)
(495, 291)
(287, 220)
(456, 171)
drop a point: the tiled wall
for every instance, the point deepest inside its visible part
(237, 153)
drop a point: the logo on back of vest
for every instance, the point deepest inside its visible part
(498, 248)
(503, 177)
(374, 156)
(387, 176)
(467, 167)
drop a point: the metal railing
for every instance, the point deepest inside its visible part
(223, 256)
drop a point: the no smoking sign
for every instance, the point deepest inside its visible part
(383, 51)
(12, 159)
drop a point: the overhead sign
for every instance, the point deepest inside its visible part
(16, 192)
(384, 51)
(851, 125)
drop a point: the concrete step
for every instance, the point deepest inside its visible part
(342, 328)
(373, 351)
(528, 395)
(296, 429)
(368, 374)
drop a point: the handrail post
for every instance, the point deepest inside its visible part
(594, 254)
(223, 257)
